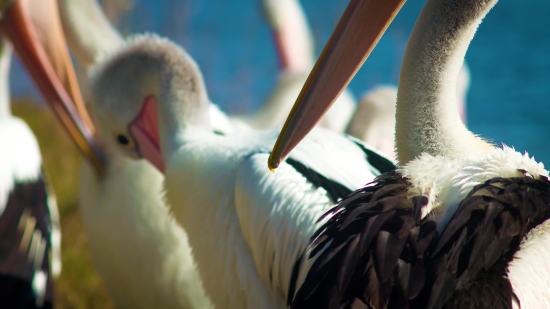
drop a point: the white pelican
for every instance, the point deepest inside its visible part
(141, 253)
(248, 228)
(462, 223)
(295, 48)
(28, 213)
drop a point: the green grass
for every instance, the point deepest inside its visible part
(79, 285)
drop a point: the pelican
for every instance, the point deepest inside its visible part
(247, 227)
(462, 223)
(28, 213)
(295, 47)
(141, 253)
(374, 118)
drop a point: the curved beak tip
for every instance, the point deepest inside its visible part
(272, 165)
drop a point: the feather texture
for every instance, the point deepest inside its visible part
(376, 249)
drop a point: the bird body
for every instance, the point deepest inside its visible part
(30, 234)
(445, 239)
(248, 228)
(157, 270)
(266, 219)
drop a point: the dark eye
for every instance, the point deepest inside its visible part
(122, 139)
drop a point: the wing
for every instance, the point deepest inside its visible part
(27, 210)
(340, 158)
(370, 251)
(278, 213)
(470, 259)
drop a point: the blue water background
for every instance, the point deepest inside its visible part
(509, 59)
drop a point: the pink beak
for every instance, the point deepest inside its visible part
(144, 129)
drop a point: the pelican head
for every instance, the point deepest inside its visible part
(148, 79)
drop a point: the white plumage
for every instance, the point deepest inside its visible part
(22, 162)
(141, 253)
(31, 235)
(247, 227)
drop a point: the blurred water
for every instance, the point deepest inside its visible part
(232, 44)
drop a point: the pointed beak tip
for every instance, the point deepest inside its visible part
(272, 165)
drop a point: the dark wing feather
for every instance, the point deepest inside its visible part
(25, 223)
(369, 252)
(335, 190)
(468, 265)
(381, 163)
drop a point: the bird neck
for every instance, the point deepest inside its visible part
(88, 31)
(5, 60)
(427, 117)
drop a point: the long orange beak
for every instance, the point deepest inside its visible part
(15, 25)
(358, 31)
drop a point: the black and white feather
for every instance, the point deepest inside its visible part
(30, 236)
(378, 250)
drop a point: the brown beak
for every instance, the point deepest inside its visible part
(357, 33)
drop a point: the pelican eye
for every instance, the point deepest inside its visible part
(124, 141)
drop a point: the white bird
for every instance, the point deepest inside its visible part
(29, 221)
(141, 253)
(462, 223)
(295, 48)
(248, 228)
